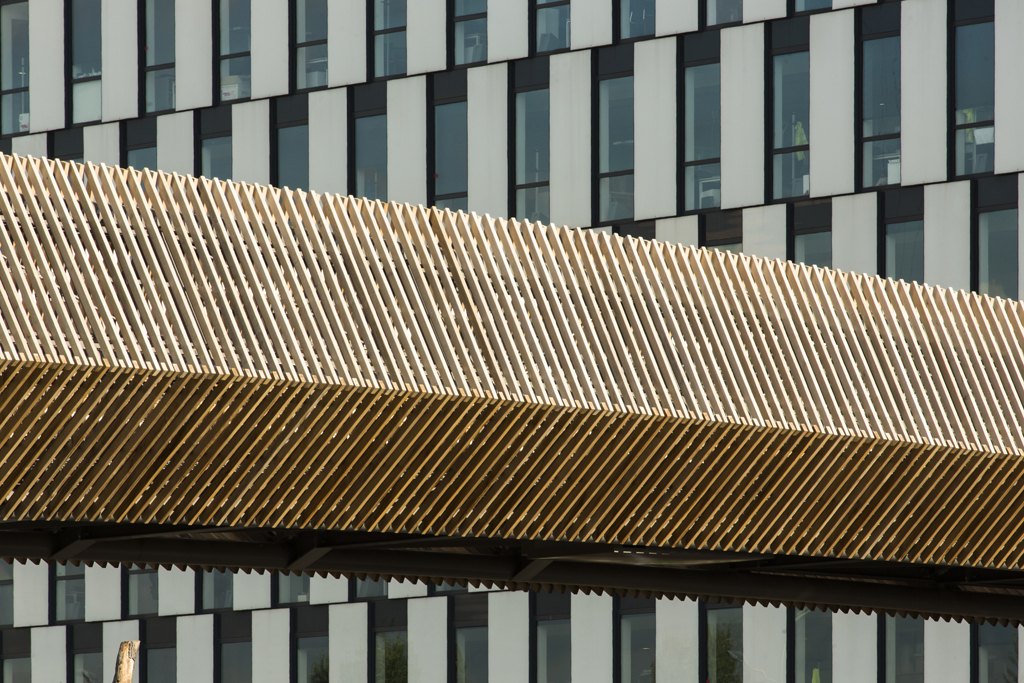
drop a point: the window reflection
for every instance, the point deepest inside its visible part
(471, 655)
(975, 98)
(615, 148)
(311, 44)
(389, 21)
(997, 254)
(813, 645)
(86, 61)
(702, 136)
(14, 100)
(372, 157)
(70, 592)
(904, 251)
(552, 25)
(725, 645)
(554, 655)
(293, 157)
(218, 585)
(997, 653)
(143, 591)
(637, 648)
(235, 39)
(724, 11)
(312, 660)
(451, 153)
(6, 593)
(904, 649)
(791, 169)
(292, 588)
(881, 112)
(532, 156)
(216, 157)
(637, 18)
(470, 31)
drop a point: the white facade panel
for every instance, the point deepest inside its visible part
(947, 235)
(923, 94)
(947, 651)
(328, 140)
(327, 589)
(591, 637)
(251, 591)
(346, 42)
(508, 30)
(764, 643)
(193, 55)
(762, 10)
(855, 233)
(46, 65)
(854, 647)
(832, 105)
(101, 144)
(426, 36)
(683, 230)
(1009, 37)
(269, 48)
(570, 139)
(194, 647)
(347, 642)
(508, 637)
(271, 632)
(742, 51)
(654, 128)
(250, 142)
(29, 145)
(487, 116)
(677, 641)
(175, 149)
(102, 593)
(677, 16)
(31, 594)
(177, 591)
(115, 633)
(428, 640)
(119, 23)
(764, 231)
(398, 588)
(407, 140)
(591, 23)
(49, 654)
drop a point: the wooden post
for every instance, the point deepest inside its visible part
(127, 655)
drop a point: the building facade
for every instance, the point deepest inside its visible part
(850, 134)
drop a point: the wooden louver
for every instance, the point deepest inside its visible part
(181, 350)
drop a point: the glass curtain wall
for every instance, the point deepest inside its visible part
(532, 141)
(469, 620)
(311, 648)
(235, 43)
(218, 589)
(6, 593)
(813, 646)
(234, 642)
(974, 87)
(880, 109)
(723, 11)
(369, 170)
(69, 592)
(724, 647)
(470, 32)
(86, 61)
(159, 654)
(903, 222)
(552, 21)
(812, 233)
(553, 654)
(389, 20)
(390, 642)
(637, 642)
(370, 588)
(996, 242)
(451, 142)
(636, 18)
(292, 589)
(143, 591)
(159, 51)
(214, 158)
(14, 109)
(292, 137)
(310, 44)
(85, 650)
(702, 121)
(615, 134)
(998, 651)
(904, 649)
(791, 88)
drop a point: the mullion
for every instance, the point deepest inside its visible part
(311, 43)
(703, 162)
(615, 174)
(380, 32)
(471, 17)
(528, 186)
(790, 150)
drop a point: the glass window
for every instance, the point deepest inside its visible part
(391, 657)
(14, 111)
(17, 650)
(552, 25)
(87, 667)
(471, 655)
(389, 19)
(6, 593)
(142, 158)
(143, 593)
(637, 18)
(725, 645)
(311, 660)
(310, 44)
(372, 157)
(880, 115)
(553, 651)
(85, 652)
(293, 157)
(791, 103)
(997, 654)
(904, 649)
(808, 5)
(975, 98)
(218, 585)
(470, 31)
(18, 670)
(216, 157)
(904, 251)
(997, 254)
(812, 233)
(724, 11)
(533, 196)
(371, 588)
(702, 126)
(161, 665)
(813, 644)
(722, 230)
(292, 588)
(236, 662)
(235, 64)
(86, 61)
(451, 156)
(159, 55)
(159, 654)
(615, 148)
(70, 592)
(636, 636)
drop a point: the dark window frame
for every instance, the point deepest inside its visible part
(535, 8)
(276, 126)
(884, 222)
(197, 126)
(66, 144)
(858, 96)
(144, 70)
(952, 126)
(127, 141)
(69, 82)
(394, 604)
(702, 18)
(454, 623)
(352, 597)
(371, 44)
(219, 639)
(73, 649)
(218, 57)
(14, 91)
(450, 22)
(619, 611)
(514, 90)
(135, 569)
(703, 607)
(54, 580)
(146, 628)
(595, 134)
(536, 618)
(769, 100)
(433, 102)
(791, 10)
(792, 231)
(295, 613)
(353, 114)
(9, 582)
(682, 64)
(977, 210)
(200, 575)
(293, 50)
(723, 238)
(617, 38)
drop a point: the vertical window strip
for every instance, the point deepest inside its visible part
(614, 126)
(880, 86)
(389, 37)
(531, 126)
(14, 64)
(310, 44)
(86, 61)
(994, 236)
(551, 21)
(790, 108)
(158, 68)
(700, 85)
(235, 62)
(973, 88)
(469, 32)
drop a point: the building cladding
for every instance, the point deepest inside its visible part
(851, 134)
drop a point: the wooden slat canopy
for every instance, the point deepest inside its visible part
(187, 351)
